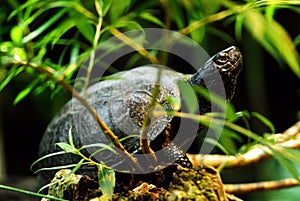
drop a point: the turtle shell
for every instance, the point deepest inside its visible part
(122, 103)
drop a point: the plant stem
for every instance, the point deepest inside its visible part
(140, 49)
(30, 193)
(93, 52)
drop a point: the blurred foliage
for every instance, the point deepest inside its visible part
(49, 40)
(71, 30)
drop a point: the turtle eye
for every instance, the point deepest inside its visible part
(222, 59)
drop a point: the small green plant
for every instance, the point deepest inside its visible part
(105, 174)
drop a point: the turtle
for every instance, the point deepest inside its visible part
(123, 103)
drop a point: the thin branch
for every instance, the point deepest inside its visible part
(93, 52)
(50, 73)
(288, 139)
(140, 49)
(144, 138)
(259, 186)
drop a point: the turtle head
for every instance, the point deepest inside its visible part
(227, 64)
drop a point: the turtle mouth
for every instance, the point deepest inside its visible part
(228, 59)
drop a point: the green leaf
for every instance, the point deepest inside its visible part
(286, 163)
(297, 40)
(238, 28)
(70, 138)
(107, 180)
(43, 27)
(198, 34)
(105, 4)
(219, 101)
(65, 146)
(128, 25)
(11, 74)
(177, 14)
(83, 25)
(118, 7)
(151, 18)
(46, 156)
(21, 95)
(102, 145)
(74, 5)
(189, 96)
(217, 144)
(264, 120)
(16, 34)
(273, 37)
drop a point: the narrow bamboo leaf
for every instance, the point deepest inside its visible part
(105, 4)
(189, 96)
(21, 95)
(217, 144)
(128, 25)
(70, 138)
(238, 28)
(74, 5)
(286, 164)
(21, 7)
(177, 14)
(43, 27)
(151, 18)
(297, 40)
(118, 7)
(264, 120)
(46, 156)
(10, 75)
(198, 34)
(101, 145)
(271, 35)
(83, 25)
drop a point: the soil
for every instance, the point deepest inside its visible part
(171, 183)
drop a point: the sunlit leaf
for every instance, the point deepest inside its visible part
(43, 27)
(273, 37)
(16, 34)
(74, 5)
(238, 27)
(198, 34)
